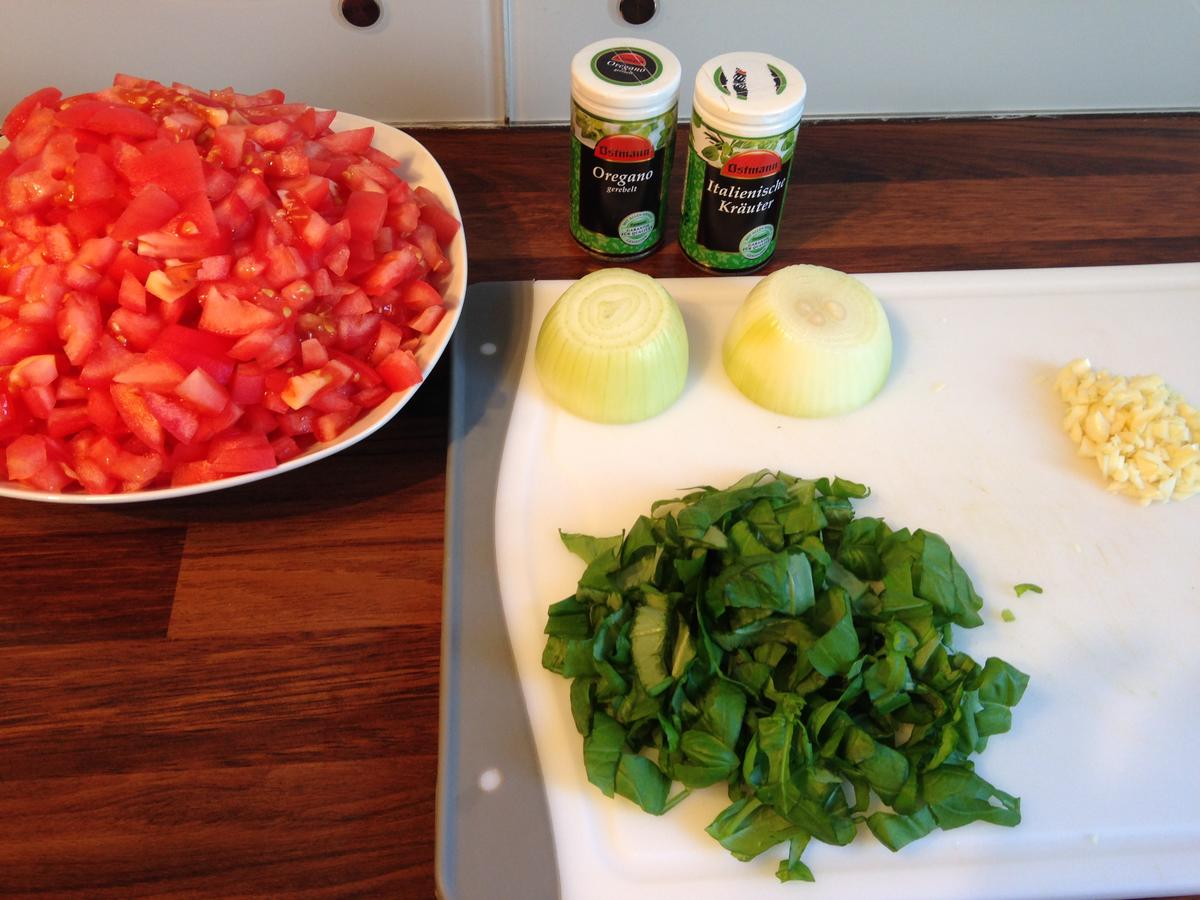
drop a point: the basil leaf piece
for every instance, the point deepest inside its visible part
(590, 548)
(602, 752)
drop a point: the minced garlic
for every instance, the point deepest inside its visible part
(1142, 435)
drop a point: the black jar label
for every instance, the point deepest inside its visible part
(733, 197)
(741, 203)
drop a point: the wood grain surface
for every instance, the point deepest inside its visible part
(237, 694)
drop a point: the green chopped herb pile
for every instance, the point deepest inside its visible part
(764, 637)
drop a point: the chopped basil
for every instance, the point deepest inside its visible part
(764, 637)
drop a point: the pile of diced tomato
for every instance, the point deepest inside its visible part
(195, 285)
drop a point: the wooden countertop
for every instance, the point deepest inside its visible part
(238, 693)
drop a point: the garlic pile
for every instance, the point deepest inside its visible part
(1142, 434)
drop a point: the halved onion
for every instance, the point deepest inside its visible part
(613, 348)
(809, 341)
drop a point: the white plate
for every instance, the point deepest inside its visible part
(418, 167)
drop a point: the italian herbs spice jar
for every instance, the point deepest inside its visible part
(745, 114)
(623, 99)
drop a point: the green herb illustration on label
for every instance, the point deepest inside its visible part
(718, 147)
(589, 129)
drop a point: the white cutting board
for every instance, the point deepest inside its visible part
(964, 440)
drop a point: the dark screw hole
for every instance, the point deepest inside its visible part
(361, 13)
(638, 12)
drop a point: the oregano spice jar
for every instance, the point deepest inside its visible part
(745, 115)
(623, 105)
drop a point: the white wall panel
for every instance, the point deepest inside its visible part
(421, 62)
(895, 57)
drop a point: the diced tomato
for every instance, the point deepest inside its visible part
(213, 268)
(428, 319)
(313, 354)
(175, 168)
(238, 454)
(353, 303)
(33, 370)
(365, 211)
(283, 348)
(404, 217)
(128, 261)
(355, 140)
(212, 426)
(151, 208)
(69, 388)
(103, 412)
(330, 425)
(175, 418)
(223, 314)
(431, 252)
(354, 332)
(136, 470)
(79, 326)
(131, 406)
(107, 118)
(370, 397)
(39, 400)
(65, 421)
(400, 370)
(138, 330)
(15, 121)
(25, 456)
(154, 372)
(93, 180)
(229, 141)
(192, 348)
(19, 341)
(254, 343)
(419, 295)
(444, 225)
(389, 338)
(90, 221)
(395, 267)
(203, 392)
(132, 294)
(285, 447)
(106, 360)
(302, 388)
(247, 385)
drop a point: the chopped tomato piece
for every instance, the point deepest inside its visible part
(224, 314)
(107, 118)
(131, 406)
(151, 208)
(400, 370)
(15, 121)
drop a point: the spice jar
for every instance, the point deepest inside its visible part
(745, 115)
(623, 101)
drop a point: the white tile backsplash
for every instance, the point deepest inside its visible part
(446, 62)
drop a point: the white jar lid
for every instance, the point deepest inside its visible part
(620, 78)
(749, 94)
